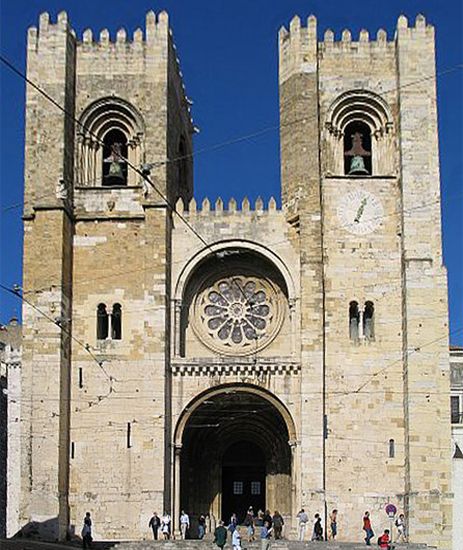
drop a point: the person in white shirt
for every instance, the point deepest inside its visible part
(303, 520)
(165, 526)
(236, 539)
(184, 524)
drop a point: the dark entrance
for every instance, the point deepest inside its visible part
(243, 479)
(234, 454)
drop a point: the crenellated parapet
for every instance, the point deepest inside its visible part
(205, 208)
(299, 45)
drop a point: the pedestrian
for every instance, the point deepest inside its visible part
(268, 517)
(87, 531)
(278, 523)
(220, 535)
(303, 520)
(233, 523)
(401, 528)
(367, 528)
(236, 538)
(201, 526)
(165, 526)
(184, 524)
(249, 523)
(333, 524)
(317, 533)
(384, 540)
(265, 533)
(260, 518)
(155, 523)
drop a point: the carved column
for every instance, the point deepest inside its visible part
(292, 317)
(177, 327)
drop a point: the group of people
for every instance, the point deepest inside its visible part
(317, 530)
(270, 525)
(385, 539)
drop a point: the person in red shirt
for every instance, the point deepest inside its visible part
(367, 528)
(384, 540)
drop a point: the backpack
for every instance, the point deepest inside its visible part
(380, 540)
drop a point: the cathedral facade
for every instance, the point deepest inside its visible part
(209, 357)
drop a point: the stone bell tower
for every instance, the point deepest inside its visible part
(97, 241)
(360, 178)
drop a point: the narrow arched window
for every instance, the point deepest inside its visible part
(182, 165)
(102, 322)
(391, 448)
(116, 322)
(354, 319)
(115, 151)
(369, 321)
(357, 149)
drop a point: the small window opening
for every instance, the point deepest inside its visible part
(115, 152)
(354, 319)
(369, 321)
(182, 165)
(455, 412)
(102, 322)
(116, 322)
(129, 435)
(73, 449)
(81, 378)
(391, 448)
(357, 149)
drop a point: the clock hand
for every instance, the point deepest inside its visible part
(360, 210)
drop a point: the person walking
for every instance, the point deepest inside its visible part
(233, 523)
(333, 524)
(165, 526)
(317, 533)
(278, 523)
(265, 533)
(268, 517)
(201, 526)
(236, 539)
(155, 523)
(303, 520)
(369, 534)
(87, 531)
(384, 540)
(249, 523)
(220, 535)
(401, 528)
(184, 524)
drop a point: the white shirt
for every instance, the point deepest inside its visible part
(236, 539)
(185, 519)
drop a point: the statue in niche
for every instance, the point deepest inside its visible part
(115, 174)
(357, 152)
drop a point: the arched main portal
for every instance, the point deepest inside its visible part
(235, 452)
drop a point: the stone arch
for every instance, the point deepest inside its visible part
(224, 388)
(361, 107)
(105, 115)
(218, 420)
(224, 246)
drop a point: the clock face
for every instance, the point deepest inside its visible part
(360, 212)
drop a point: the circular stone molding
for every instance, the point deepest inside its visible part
(238, 313)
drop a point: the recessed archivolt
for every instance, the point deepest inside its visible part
(359, 105)
(110, 113)
(209, 394)
(225, 246)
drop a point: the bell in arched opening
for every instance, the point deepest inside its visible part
(114, 155)
(357, 149)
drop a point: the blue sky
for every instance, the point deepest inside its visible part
(228, 53)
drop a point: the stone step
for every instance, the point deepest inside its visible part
(274, 545)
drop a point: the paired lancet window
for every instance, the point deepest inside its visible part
(105, 319)
(361, 322)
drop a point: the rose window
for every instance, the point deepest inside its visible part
(237, 314)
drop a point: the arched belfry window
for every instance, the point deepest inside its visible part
(359, 136)
(116, 322)
(357, 149)
(114, 163)
(110, 133)
(102, 322)
(369, 321)
(354, 321)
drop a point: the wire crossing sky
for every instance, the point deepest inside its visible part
(229, 59)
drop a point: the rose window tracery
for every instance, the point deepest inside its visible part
(237, 314)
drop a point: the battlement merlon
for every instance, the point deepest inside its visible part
(299, 47)
(232, 208)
